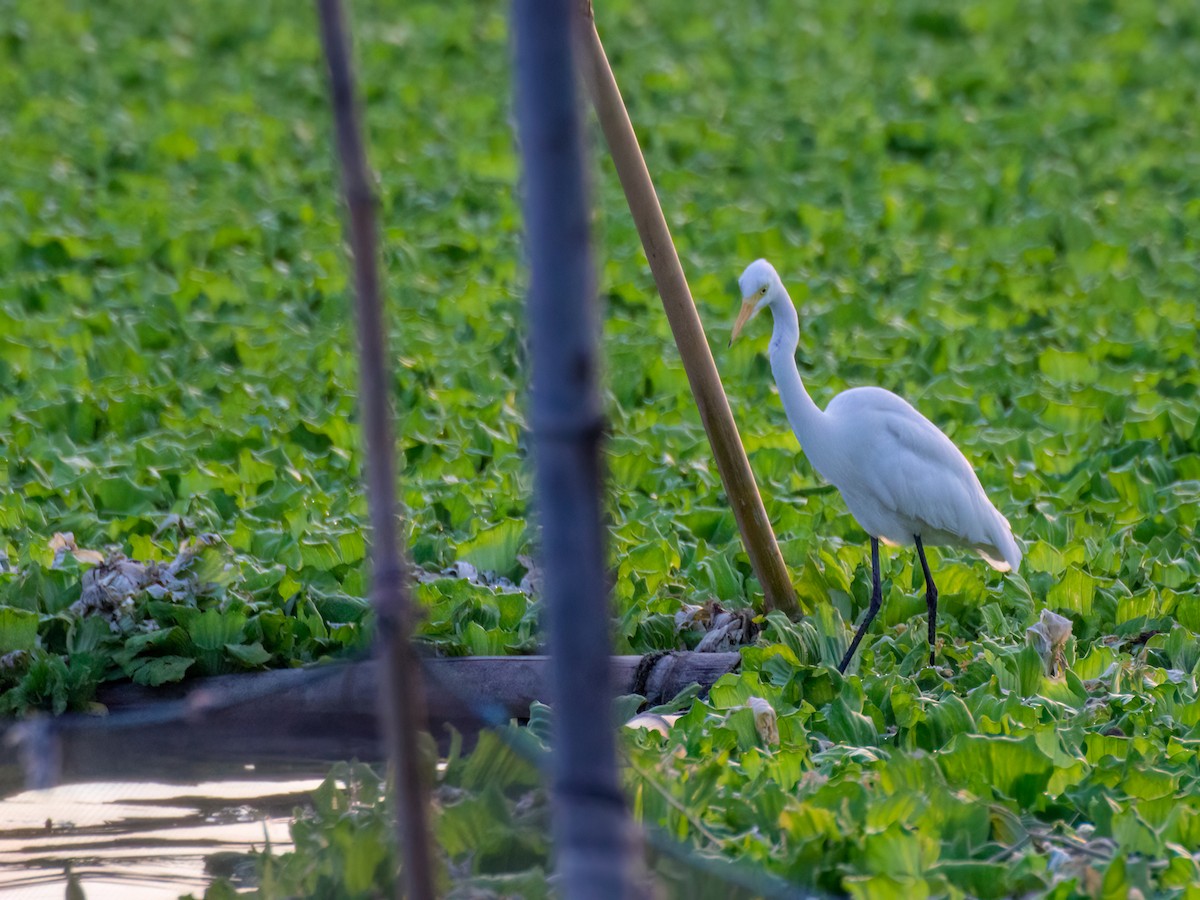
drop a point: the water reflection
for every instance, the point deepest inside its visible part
(138, 841)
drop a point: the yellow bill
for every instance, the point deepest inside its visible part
(743, 318)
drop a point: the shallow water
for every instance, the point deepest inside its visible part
(139, 841)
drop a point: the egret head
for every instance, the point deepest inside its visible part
(761, 287)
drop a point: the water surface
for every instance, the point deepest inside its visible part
(140, 841)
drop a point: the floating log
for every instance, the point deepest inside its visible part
(287, 719)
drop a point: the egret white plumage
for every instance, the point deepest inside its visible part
(902, 479)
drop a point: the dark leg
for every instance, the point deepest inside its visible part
(930, 597)
(872, 611)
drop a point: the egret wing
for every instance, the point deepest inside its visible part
(920, 474)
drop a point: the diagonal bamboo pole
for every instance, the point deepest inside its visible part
(401, 699)
(685, 321)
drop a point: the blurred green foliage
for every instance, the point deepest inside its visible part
(490, 828)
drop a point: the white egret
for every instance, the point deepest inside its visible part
(903, 480)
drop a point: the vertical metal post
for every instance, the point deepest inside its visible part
(401, 699)
(591, 825)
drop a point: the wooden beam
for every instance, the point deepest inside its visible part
(283, 719)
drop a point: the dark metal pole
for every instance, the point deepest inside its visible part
(592, 833)
(400, 697)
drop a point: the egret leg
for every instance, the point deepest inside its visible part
(930, 597)
(872, 611)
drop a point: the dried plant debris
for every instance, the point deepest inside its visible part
(108, 589)
(652, 722)
(63, 545)
(765, 720)
(529, 584)
(107, 616)
(1049, 636)
(722, 629)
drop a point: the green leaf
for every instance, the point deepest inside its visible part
(493, 763)
(122, 497)
(977, 877)
(1074, 591)
(483, 642)
(18, 629)
(170, 641)
(846, 726)
(362, 856)
(252, 655)
(89, 635)
(161, 670)
(213, 629)
(721, 578)
(1067, 367)
(512, 609)
(949, 716)
(495, 549)
(896, 851)
(1016, 767)
(474, 824)
(886, 887)
(341, 608)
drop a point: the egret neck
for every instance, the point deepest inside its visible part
(807, 420)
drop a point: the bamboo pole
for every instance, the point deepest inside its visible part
(400, 695)
(591, 833)
(672, 284)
